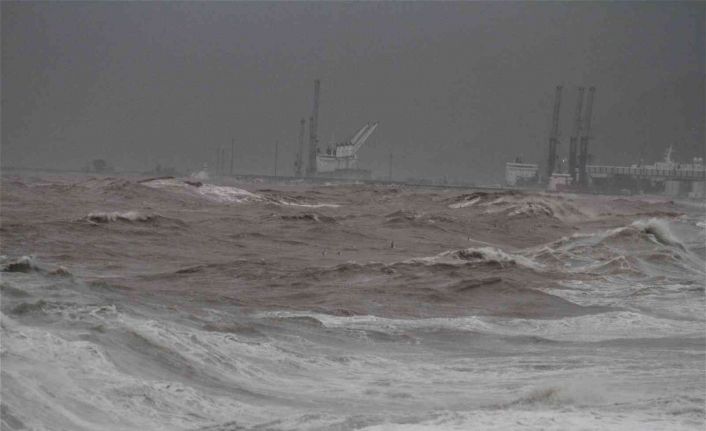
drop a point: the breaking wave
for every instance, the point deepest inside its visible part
(106, 217)
(309, 217)
(211, 307)
(520, 205)
(226, 194)
(21, 264)
(588, 328)
(220, 194)
(490, 255)
(29, 264)
(659, 230)
(643, 248)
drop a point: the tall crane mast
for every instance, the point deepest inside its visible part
(583, 150)
(298, 164)
(313, 129)
(554, 134)
(576, 132)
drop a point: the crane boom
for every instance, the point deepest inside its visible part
(359, 133)
(359, 143)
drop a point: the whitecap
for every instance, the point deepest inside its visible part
(477, 254)
(465, 203)
(105, 217)
(586, 328)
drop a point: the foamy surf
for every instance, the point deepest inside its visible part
(105, 217)
(477, 255)
(519, 205)
(225, 194)
(215, 193)
(207, 307)
(644, 249)
(297, 204)
(589, 328)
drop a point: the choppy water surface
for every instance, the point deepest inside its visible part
(166, 305)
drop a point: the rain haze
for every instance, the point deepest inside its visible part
(369, 216)
(458, 88)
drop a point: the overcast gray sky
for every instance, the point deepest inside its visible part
(458, 88)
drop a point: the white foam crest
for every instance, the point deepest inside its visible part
(224, 351)
(577, 391)
(660, 230)
(656, 228)
(75, 383)
(20, 264)
(551, 206)
(227, 194)
(545, 419)
(222, 194)
(477, 254)
(201, 175)
(664, 300)
(599, 327)
(319, 205)
(587, 328)
(265, 367)
(105, 217)
(613, 250)
(531, 208)
(465, 204)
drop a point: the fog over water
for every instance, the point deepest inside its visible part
(458, 88)
(138, 298)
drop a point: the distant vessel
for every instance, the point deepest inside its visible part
(338, 160)
(518, 173)
(341, 159)
(668, 176)
(668, 164)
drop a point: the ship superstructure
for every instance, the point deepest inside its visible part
(337, 159)
(343, 156)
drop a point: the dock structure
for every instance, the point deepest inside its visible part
(665, 177)
(688, 173)
(668, 177)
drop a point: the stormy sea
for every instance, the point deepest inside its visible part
(173, 304)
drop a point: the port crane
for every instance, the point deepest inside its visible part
(344, 155)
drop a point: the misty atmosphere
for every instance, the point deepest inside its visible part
(458, 88)
(224, 216)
